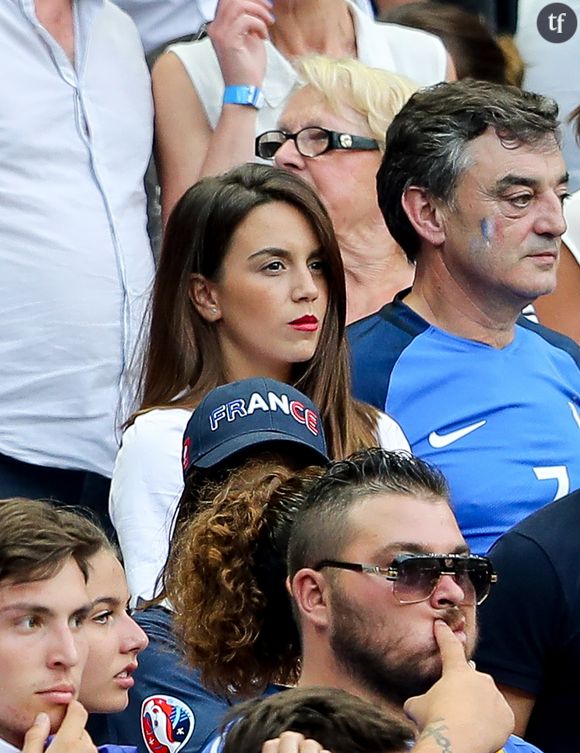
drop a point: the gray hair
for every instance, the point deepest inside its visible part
(427, 142)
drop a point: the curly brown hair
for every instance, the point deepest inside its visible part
(226, 578)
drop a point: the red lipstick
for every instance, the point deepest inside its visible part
(306, 323)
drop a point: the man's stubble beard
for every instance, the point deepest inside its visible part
(378, 665)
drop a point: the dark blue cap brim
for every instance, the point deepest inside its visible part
(233, 445)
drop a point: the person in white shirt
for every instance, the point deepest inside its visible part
(250, 283)
(75, 135)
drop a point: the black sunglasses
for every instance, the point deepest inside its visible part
(311, 142)
(415, 576)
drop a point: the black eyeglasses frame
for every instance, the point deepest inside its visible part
(336, 140)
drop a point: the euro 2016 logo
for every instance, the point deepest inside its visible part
(557, 23)
(166, 724)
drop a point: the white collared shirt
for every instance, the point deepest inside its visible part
(75, 260)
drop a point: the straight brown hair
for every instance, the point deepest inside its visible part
(183, 361)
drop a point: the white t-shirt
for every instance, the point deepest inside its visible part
(148, 482)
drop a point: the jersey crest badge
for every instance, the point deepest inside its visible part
(166, 723)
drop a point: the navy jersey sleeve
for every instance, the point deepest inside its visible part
(376, 343)
(520, 623)
(556, 339)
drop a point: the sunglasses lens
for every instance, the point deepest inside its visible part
(416, 580)
(466, 578)
(479, 574)
(418, 577)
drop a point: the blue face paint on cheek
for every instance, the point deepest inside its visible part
(486, 226)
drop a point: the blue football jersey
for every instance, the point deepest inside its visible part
(502, 424)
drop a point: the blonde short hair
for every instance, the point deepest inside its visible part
(376, 94)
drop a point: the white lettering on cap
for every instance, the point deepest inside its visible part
(237, 408)
(257, 402)
(227, 410)
(279, 402)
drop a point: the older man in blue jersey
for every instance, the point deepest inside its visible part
(471, 186)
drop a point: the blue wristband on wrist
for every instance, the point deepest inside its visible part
(251, 96)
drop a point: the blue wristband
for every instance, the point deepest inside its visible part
(251, 96)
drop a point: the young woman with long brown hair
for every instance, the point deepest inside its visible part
(250, 283)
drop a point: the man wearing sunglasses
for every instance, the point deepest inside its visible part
(385, 594)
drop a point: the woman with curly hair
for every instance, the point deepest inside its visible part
(250, 452)
(250, 283)
(226, 579)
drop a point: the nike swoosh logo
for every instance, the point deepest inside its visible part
(443, 440)
(575, 413)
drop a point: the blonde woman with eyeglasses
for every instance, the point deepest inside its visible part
(213, 96)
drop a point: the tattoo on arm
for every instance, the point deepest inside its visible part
(436, 731)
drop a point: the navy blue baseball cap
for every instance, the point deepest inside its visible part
(250, 412)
